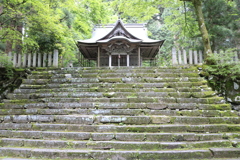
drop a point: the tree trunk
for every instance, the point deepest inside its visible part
(202, 27)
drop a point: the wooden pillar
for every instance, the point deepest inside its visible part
(119, 58)
(98, 57)
(127, 60)
(34, 59)
(110, 60)
(139, 57)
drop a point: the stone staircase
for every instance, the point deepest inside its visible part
(117, 114)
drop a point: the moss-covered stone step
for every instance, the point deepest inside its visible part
(149, 137)
(97, 106)
(110, 145)
(115, 111)
(60, 80)
(100, 89)
(136, 120)
(198, 85)
(114, 74)
(109, 154)
(203, 94)
(108, 99)
(170, 128)
(132, 100)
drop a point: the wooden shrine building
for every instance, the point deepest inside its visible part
(119, 45)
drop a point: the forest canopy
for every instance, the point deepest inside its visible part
(27, 26)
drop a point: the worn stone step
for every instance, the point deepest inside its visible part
(103, 155)
(203, 94)
(110, 145)
(109, 80)
(149, 137)
(112, 84)
(97, 89)
(170, 128)
(116, 75)
(211, 100)
(17, 104)
(98, 119)
(116, 111)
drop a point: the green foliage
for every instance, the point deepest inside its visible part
(49, 24)
(5, 61)
(224, 71)
(221, 20)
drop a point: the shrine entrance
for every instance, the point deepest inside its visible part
(119, 60)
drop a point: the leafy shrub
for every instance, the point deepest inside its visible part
(225, 70)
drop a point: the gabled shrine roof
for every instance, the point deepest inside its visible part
(132, 33)
(137, 31)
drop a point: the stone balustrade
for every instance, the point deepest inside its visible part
(185, 57)
(34, 59)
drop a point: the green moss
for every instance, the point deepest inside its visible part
(109, 94)
(204, 94)
(219, 107)
(19, 69)
(19, 101)
(234, 128)
(228, 113)
(34, 127)
(133, 95)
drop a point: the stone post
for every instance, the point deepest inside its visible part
(55, 58)
(39, 64)
(190, 57)
(24, 60)
(14, 59)
(19, 60)
(29, 60)
(184, 57)
(49, 59)
(34, 59)
(174, 56)
(200, 57)
(44, 59)
(179, 57)
(195, 57)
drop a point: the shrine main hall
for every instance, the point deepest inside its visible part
(119, 44)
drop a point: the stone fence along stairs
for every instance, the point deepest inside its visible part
(117, 114)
